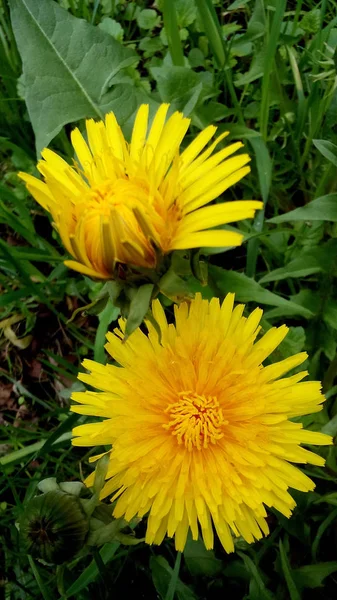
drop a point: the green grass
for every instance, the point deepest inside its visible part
(266, 71)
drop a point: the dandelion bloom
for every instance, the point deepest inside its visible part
(127, 203)
(200, 430)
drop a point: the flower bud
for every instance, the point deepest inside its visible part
(54, 527)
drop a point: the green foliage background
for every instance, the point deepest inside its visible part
(266, 71)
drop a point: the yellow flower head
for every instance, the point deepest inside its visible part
(200, 430)
(123, 203)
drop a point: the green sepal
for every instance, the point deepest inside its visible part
(138, 308)
(128, 540)
(199, 268)
(100, 473)
(102, 533)
(96, 306)
(174, 282)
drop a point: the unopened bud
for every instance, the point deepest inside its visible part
(54, 527)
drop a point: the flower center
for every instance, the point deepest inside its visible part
(121, 193)
(196, 420)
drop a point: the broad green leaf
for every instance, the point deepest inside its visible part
(328, 149)
(321, 209)
(68, 65)
(186, 12)
(312, 576)
(112, 27)
(248, 290)
(200, 561)
(147, 18)
(178, 85)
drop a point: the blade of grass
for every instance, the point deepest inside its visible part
(320, 531)
(91, 572)
(293, 592)
(19, 455)
(43, 589)
(174, 579)
(264, 170)
(212, 29)
(213, 32)
(301, 106)
(172, 32)
(268, 65)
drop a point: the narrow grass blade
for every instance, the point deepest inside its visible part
(268, 66)
(172, 32)
(264, 170)
(174, 579)
(212, 29)
(293, 592)
(23, 453)
(43, 589)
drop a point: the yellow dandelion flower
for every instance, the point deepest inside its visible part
(124, 203)
(200, 430)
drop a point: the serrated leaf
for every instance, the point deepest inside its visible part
(248, 290)
(255, 70)
(147, 19)
(299, 267)
(321, 209)
(178, 85)
(112, 27)
(312, 576)
(293, 343)
(68, 65)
